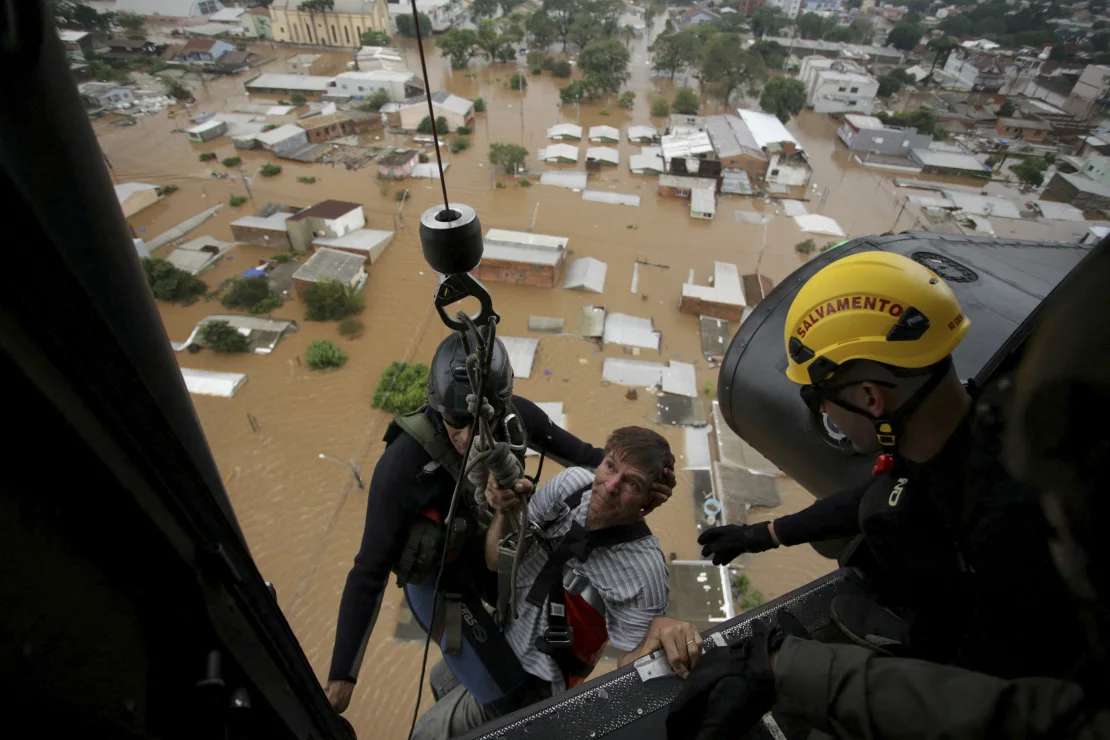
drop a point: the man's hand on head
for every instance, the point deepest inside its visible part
(506, 500)
(660, 491)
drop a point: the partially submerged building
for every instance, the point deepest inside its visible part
(602, 155)
(135, 196)
(565, 132)
(341, 24)
(559, 153)
(723, 298)
(837, 86)
(787, 166)
(319, 129)
(271, 83)
(330, 265)
(266, 231)
(522, 258)
(458, 111)
(630, 331)
(327, 219)
(586, 273)
(398, 164)
(262, 334)
(642, 134)
(869, 135)
(604, 134)
(369, 244)
(283, 139)
(197, 255)
(210, 129)
(397, 84)
(939, 160)
(1078, 190)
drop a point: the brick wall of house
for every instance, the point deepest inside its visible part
(700, 307)
(517, 273)
(261, 237)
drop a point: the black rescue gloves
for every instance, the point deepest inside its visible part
(732, 687)
(727, 542)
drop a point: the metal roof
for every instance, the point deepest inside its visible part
(522, 353)
(227, 15)
(817, 224)
(377, 75)
(766, 129)
(636, 133)
(1059, 211)
(521, 246)
(206, 126)
(559, 152)
(570, 180)
(330, 264)
(687, 143)
(126, 189)
(1030, 123)
(678, 377)
(982, 205)
(71, 37)
(586, 273)
(1086, 184)
(328, 209)
(279, 134)
(631, 331)
(616, 199)
(371, 241)
(703, 200)
(303, 83)
(696, 444)
(603, 154)
(644, 162)
(561, 130)
(948, 160)
(604, 133)
(273, 222)
(211, 383)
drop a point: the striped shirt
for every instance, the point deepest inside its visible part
(627, 582)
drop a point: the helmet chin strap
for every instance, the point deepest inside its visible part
(888, 427)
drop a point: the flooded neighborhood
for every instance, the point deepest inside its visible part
(657, 251)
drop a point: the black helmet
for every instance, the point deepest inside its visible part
(448, 384)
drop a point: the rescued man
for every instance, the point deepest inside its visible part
(592, 574)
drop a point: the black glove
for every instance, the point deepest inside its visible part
(725, 543)
(731, 688)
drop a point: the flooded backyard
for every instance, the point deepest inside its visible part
(303, 515)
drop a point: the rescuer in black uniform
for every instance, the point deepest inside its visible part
(950, 542)
(852, 692)
(409, 496)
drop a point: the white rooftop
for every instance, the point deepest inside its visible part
(1059, 211)
(616, 199)
(766, 128)
(206, 126)
(604, 133)
(569, 180)
(71, 37)
(378, 75)
(211, 383)
(949, 160)
(522, 246)
(586, 273)
(636, 133)
(983, 205)
(631, 331)
(863, 122)
(688, 143)
(703, 200)
(605, 154)
(564, 130)
(645, 163)
(559, 152)
(522, 353)
(279, 134)
(126, 189)
(303, 83)
(371, 241)
(817, 224)
(726, 288)
(330, 264)
(273, 222)
(429, 170)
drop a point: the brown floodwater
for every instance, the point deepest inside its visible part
(303, 516)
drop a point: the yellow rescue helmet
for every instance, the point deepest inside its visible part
(875, 306)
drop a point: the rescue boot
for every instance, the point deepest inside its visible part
(866, 623)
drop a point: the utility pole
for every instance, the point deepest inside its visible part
(246, 184)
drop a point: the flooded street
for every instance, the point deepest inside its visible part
(303, 516)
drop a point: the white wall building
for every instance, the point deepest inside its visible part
(835, 86)
(398, 85)
(444, 14)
